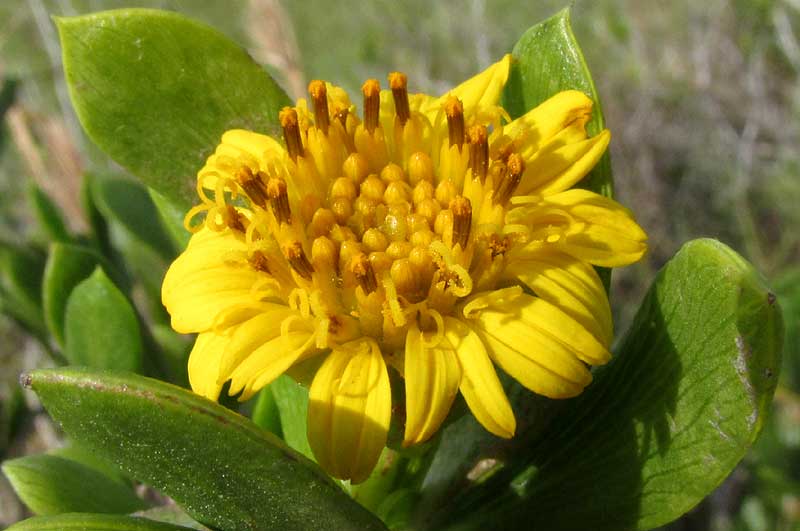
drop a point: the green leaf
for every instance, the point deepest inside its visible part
(98, 228)
(156, 91)
(49, 485)
(547, 60)
(265, 412)
(21, 270)
(172, 219)
(67, 265)
(92, 522)
(101, 329)
(666, 421)
(225, 471)
(48, 216)
(291, 398)
(76, 453)
(128, 203)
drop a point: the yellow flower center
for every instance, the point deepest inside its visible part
(377, 221)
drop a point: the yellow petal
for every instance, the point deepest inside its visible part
(479, 91)
(204, 363)
(210, 277)
(241, 147)
(350, 406)
(485, 88)
(251, 334)
(571, 284)
(536, 127)
(562, 162)
(432, 377)
(269, 361)
(479, 383)
(603, 233)
(539, 345)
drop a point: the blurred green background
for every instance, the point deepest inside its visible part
(702, 98)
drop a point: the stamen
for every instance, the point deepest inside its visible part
(372, 104)
(259, 262)
(279, 199)
(298, 260)
(398, 82)
(454, 110)
(462, 220)
(479, 151)
(506, 188)
(361, 268)
(498, 245)
(253, 185)
(319, 97)
(233, 219)
(341, 115)
(291, 132)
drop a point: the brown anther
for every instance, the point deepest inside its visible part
(253, 185)
(462, 220)
(291, 132)
(279, 199)
(454, 110)
(372, 103)
(259, 262)
(319, 98)
(233, 219)
(298, 260)
(362, 270)
(398, 82)
(479, 151)
(507, 187)
(341, 115)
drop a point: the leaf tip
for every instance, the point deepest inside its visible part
(26, 380)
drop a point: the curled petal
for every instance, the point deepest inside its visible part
(350, 406)
(479, 383)
(239, 146)
(210, 277)
(540, 346)
(432, 375)
(568, 283)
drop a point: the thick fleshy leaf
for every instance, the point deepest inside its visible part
(101, 328)
(67, 265)
(128, 203)
(92, 522)
(291, 399)
(665, 422)
(172, 219)
(49, 485)
(48, 216)
(156, 91)
(21, 270)
(547, 60)
(225, 471)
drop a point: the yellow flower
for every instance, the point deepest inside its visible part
(435, 238)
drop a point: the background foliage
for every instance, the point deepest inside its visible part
(703, 101)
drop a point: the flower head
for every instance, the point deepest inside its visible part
(423, 242)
